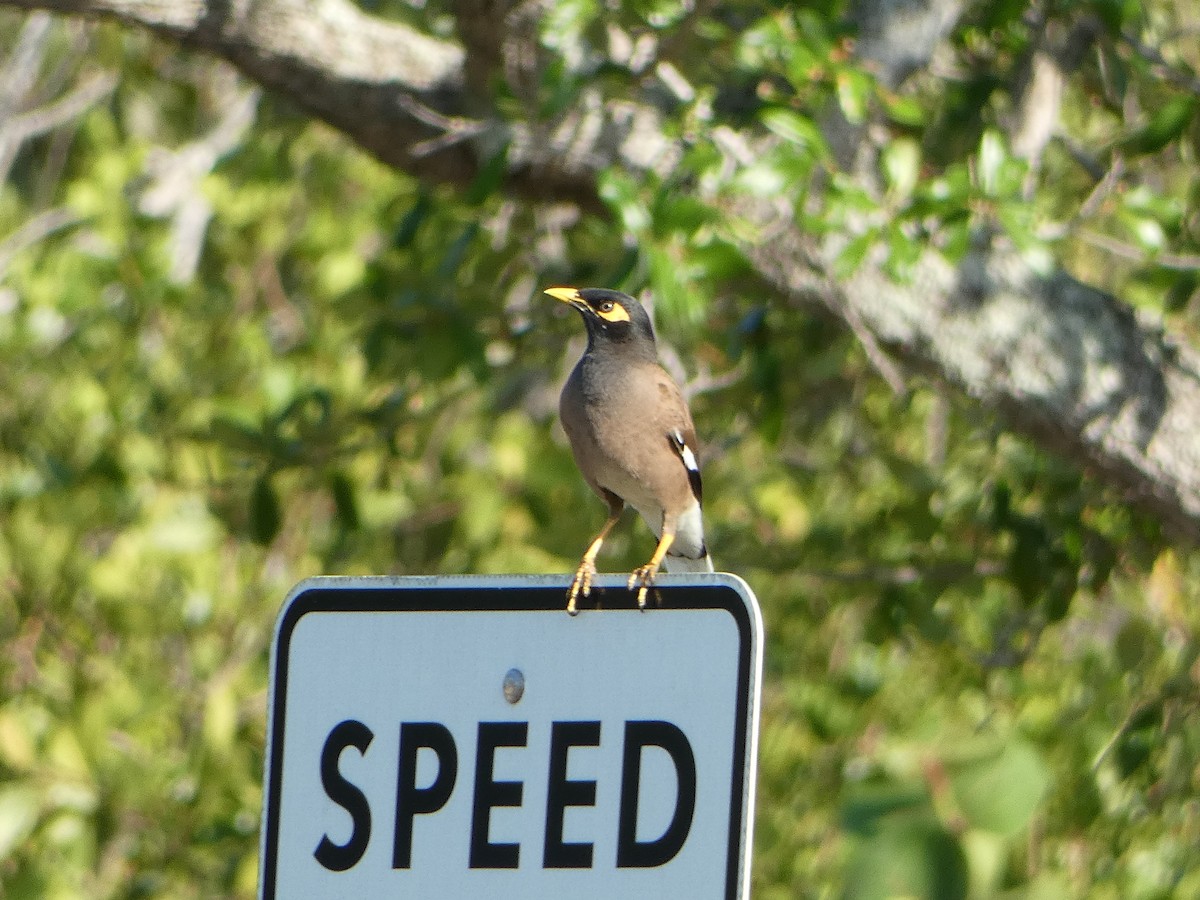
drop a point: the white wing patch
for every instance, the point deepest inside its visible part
(689, 458)
(689, 462)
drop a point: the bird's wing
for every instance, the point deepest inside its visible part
(681, 433)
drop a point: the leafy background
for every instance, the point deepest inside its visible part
(981, 671)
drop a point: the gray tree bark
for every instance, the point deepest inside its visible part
(1063, 363)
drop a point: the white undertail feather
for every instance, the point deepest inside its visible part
(683, 564)
(689, 533)
(689, 541)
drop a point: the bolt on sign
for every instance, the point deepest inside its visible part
(464, 737)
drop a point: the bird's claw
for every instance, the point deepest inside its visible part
(643, 575)
(581, 585)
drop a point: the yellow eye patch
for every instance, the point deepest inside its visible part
(608, 310)
(612, 312)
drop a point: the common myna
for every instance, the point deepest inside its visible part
(632, 437)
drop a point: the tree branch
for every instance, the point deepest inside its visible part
(33, 230)
(1064, 363)
(330, 37)
(174, 190)
(1160, 66)
(1178, 262)
(481, 28)
(85, 95)
(336, 62)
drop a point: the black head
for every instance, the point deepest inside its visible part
(610, 316)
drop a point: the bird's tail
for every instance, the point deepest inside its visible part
(675, 564)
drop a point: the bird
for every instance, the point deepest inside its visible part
(632, 437)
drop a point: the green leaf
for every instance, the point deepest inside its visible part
(909, 857)
(456, 252)
(989, 161)
(1002, 13)
(1139, 740)
(489, 178)
(345, 502)
(220, 717)
(406, 231)
(1115, 13)
(852, 255)
(716, 260)
(762, 179)
(265, 514)
(793, 127)
(986, 854)
(1027, 568)
(621, 193)
(19, 809)
(905, 110)
(956, 240)
(868, 805)
(306, 413)
(854, 90)
(1167, 124)
(1001, 791)
(676, 212)
(235, 430)
(676, 299)
(901, 167)
(903, 251)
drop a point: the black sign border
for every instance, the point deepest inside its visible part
(517, 594)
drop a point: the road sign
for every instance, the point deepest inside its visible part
(464, 737)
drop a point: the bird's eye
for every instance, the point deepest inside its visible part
(606, 306)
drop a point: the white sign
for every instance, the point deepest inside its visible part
(466, 738)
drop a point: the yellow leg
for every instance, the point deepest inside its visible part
(645, 574)
(581, 585)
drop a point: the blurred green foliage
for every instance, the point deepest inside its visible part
(981, 672)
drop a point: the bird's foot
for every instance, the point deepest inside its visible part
(644, 576)
(581, 584)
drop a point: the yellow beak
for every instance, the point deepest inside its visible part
(565, 294)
